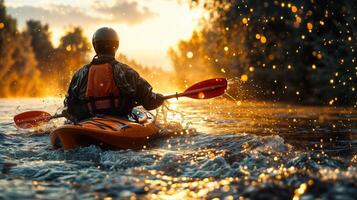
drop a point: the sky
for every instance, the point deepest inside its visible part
(146, 28)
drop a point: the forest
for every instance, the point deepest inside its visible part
(301, 51)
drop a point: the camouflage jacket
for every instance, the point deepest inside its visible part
(134, 90)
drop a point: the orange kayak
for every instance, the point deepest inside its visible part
(109, 132)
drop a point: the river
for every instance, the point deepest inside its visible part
(209, 149)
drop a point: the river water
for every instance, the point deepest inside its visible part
(208, 149)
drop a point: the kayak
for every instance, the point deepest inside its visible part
(110, 132)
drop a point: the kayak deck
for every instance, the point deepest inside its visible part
(107, 132)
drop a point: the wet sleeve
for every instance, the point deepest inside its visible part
(71, 99)
(70, 92)
(137, 88)
(144, 94)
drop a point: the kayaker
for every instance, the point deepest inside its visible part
(106, 86)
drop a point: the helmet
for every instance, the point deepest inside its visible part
(105, 41)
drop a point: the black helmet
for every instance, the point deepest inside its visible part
(105, 41)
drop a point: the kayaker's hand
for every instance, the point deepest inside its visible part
(156, 100)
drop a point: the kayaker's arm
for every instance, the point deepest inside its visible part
(70, 96)
(73, 106)
(136, 87)
(146, 97)
(69, 93)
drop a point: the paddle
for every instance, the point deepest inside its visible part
(32, 119)
(202, 90)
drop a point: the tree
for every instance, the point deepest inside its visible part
(18, 73)
(300, 51)
(71, 54)
(8, 29)
(41, 44)
(192, 60)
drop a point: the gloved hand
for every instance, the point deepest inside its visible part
(154, 101)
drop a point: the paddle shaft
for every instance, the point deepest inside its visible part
(56, 116)
(186, 93)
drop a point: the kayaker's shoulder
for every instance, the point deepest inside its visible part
(82, 71)
(124, 67)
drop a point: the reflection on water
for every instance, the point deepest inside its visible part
(208, 149)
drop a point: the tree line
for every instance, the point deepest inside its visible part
(301, 51)
(30, 65)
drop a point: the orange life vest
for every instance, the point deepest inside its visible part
(102, 92)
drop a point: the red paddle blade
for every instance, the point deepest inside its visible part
(207, 89)
(31, 119)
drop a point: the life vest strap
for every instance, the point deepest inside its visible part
(96, 104)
